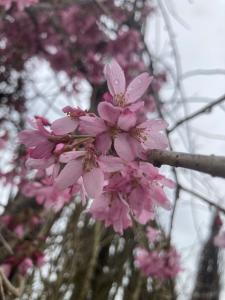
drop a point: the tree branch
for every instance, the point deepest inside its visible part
(210, 164)
(204, 199)
(205, 109)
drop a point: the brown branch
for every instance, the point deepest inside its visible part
(207, 108)
(10, 288)
(210, 164)
(6, 244)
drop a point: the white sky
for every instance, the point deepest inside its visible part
(200, 46)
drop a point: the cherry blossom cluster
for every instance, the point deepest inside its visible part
(158, 262)
(103, 157)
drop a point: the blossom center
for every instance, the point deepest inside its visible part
(139, 134)
(120, 99)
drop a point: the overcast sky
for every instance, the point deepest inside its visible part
(201, 46)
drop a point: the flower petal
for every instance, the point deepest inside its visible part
(137, 87)
(110, 163)
(156, 141)
(92, 125)
(109, 112)
(115, 78)
(103, 142)
(127, 120)
(31, 138)
(71, 155)
(39, 163)
(64, 125)
(160, 197)
(94, 182)
(43, 150)
(123, 147)
(69, 174)
(154, 125)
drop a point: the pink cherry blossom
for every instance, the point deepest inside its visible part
(131, 140)
(112, 210)
(101, 156)
(162, 264)
(85, 164)
(69, 123)
(116, 81)
(37, 141)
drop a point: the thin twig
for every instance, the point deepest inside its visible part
(2, 293)
(92, 262)
(200, 72)
(202, 198)
(14, 291)
(205, 109)
(6, 244)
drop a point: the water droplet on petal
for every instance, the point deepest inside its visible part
(116, 81)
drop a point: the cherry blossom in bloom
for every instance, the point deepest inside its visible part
(67, 124)
(113, 210)
(162, 264)
(37, 141)
(121, 128)
(101, 156)
(116, 81)
(81, 163)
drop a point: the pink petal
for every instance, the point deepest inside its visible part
(156, 141)
(31, 138)
(168, 182)
(149, 170)
(69, 174)
(41, 122)
(123, 147)
(110, 163)
(137, 87)
(109, 112)
(56, 170)
(127, 120)
(145, 216)
(43, 150)
(154, 125)
(134, 107)
(160, 197)
(94, 182)
(92, 125)
(71, 155)
(39, 163)
(115, 78)
(103, 142)
(64, 125)
(137, 149)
